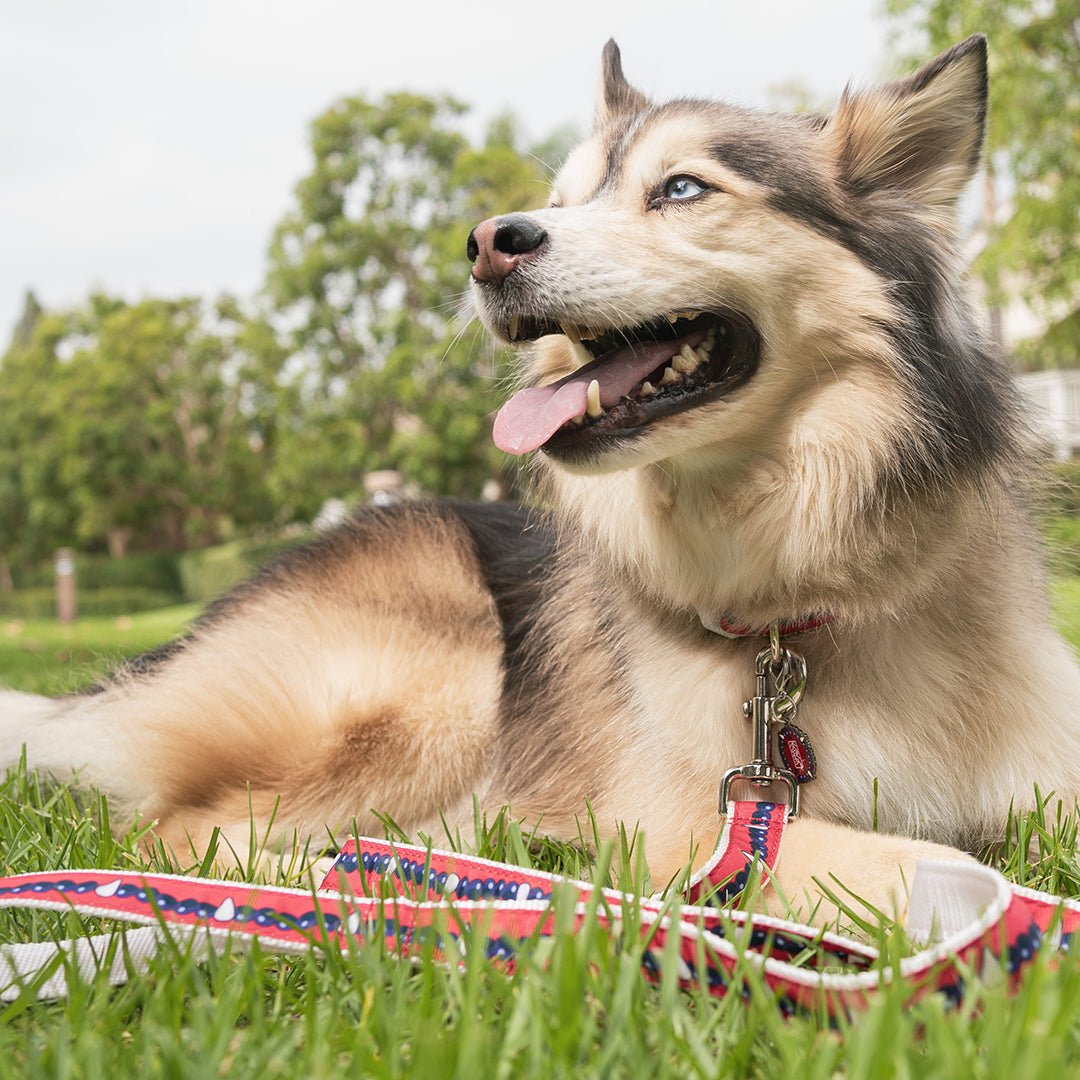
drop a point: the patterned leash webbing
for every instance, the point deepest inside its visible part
(416, 899)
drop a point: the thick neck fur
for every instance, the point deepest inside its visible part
(931, 597)
(796, 530)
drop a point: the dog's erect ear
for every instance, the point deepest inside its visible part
(923, 134)
(616, 94)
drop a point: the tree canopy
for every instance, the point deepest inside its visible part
(168, 423)
(367, 273)
(129, 421)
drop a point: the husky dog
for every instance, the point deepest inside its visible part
(760, 396)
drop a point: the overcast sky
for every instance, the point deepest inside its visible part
(150, 147)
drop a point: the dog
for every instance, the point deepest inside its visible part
(756, 395)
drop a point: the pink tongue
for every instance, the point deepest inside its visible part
(533, 415)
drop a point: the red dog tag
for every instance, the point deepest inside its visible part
(797, 753)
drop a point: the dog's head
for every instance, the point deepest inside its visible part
(704, 274)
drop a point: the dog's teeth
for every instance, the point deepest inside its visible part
(670, 376)
(515, 323)
(575, 421)
(702, 354)
(722, 330)
(582, 356)
(708, 341)
(672, 318)
(686, 361)
(573, 334)
(592, 406)
(647, 389)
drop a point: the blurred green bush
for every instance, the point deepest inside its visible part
(39, 602)
(159, 571)
(142, 582)
(209, 572)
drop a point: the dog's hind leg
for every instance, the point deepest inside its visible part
(362, 674)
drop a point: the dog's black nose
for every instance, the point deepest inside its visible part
(518, 234)
(495, 246)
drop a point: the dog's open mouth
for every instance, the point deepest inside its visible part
(629, 377)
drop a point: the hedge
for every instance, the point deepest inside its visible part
(106, 584)
(159, 571)
(207, 573)
(39, 602)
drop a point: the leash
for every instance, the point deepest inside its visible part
(416, 899)
(970, 920)
(402, 893)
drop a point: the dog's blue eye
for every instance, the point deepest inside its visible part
(683, 187)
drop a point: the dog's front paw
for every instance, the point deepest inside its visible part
(833, 875)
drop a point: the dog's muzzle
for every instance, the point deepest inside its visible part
(496, 246)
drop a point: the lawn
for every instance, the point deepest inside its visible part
(576, 1007)
(44, 657)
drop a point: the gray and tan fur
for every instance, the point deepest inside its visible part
(870, 463)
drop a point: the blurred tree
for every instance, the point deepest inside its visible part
(367, 276)
(28, 320)
(163, 424)
(161, 433)
(1033, 154)
(131, 423)
(34, 515)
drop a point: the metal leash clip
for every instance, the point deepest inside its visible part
(787, 671)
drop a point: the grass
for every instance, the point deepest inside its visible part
(42, 656)
(577, 1006)
(1065, 596)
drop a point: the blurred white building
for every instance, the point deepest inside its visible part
(1055, 397)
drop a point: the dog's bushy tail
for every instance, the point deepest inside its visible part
(22, 717)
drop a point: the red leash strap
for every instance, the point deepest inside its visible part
(752, 834)
(413, 899)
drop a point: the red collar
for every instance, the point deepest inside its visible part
(727, 625)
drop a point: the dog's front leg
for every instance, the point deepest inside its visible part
(824, 868)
